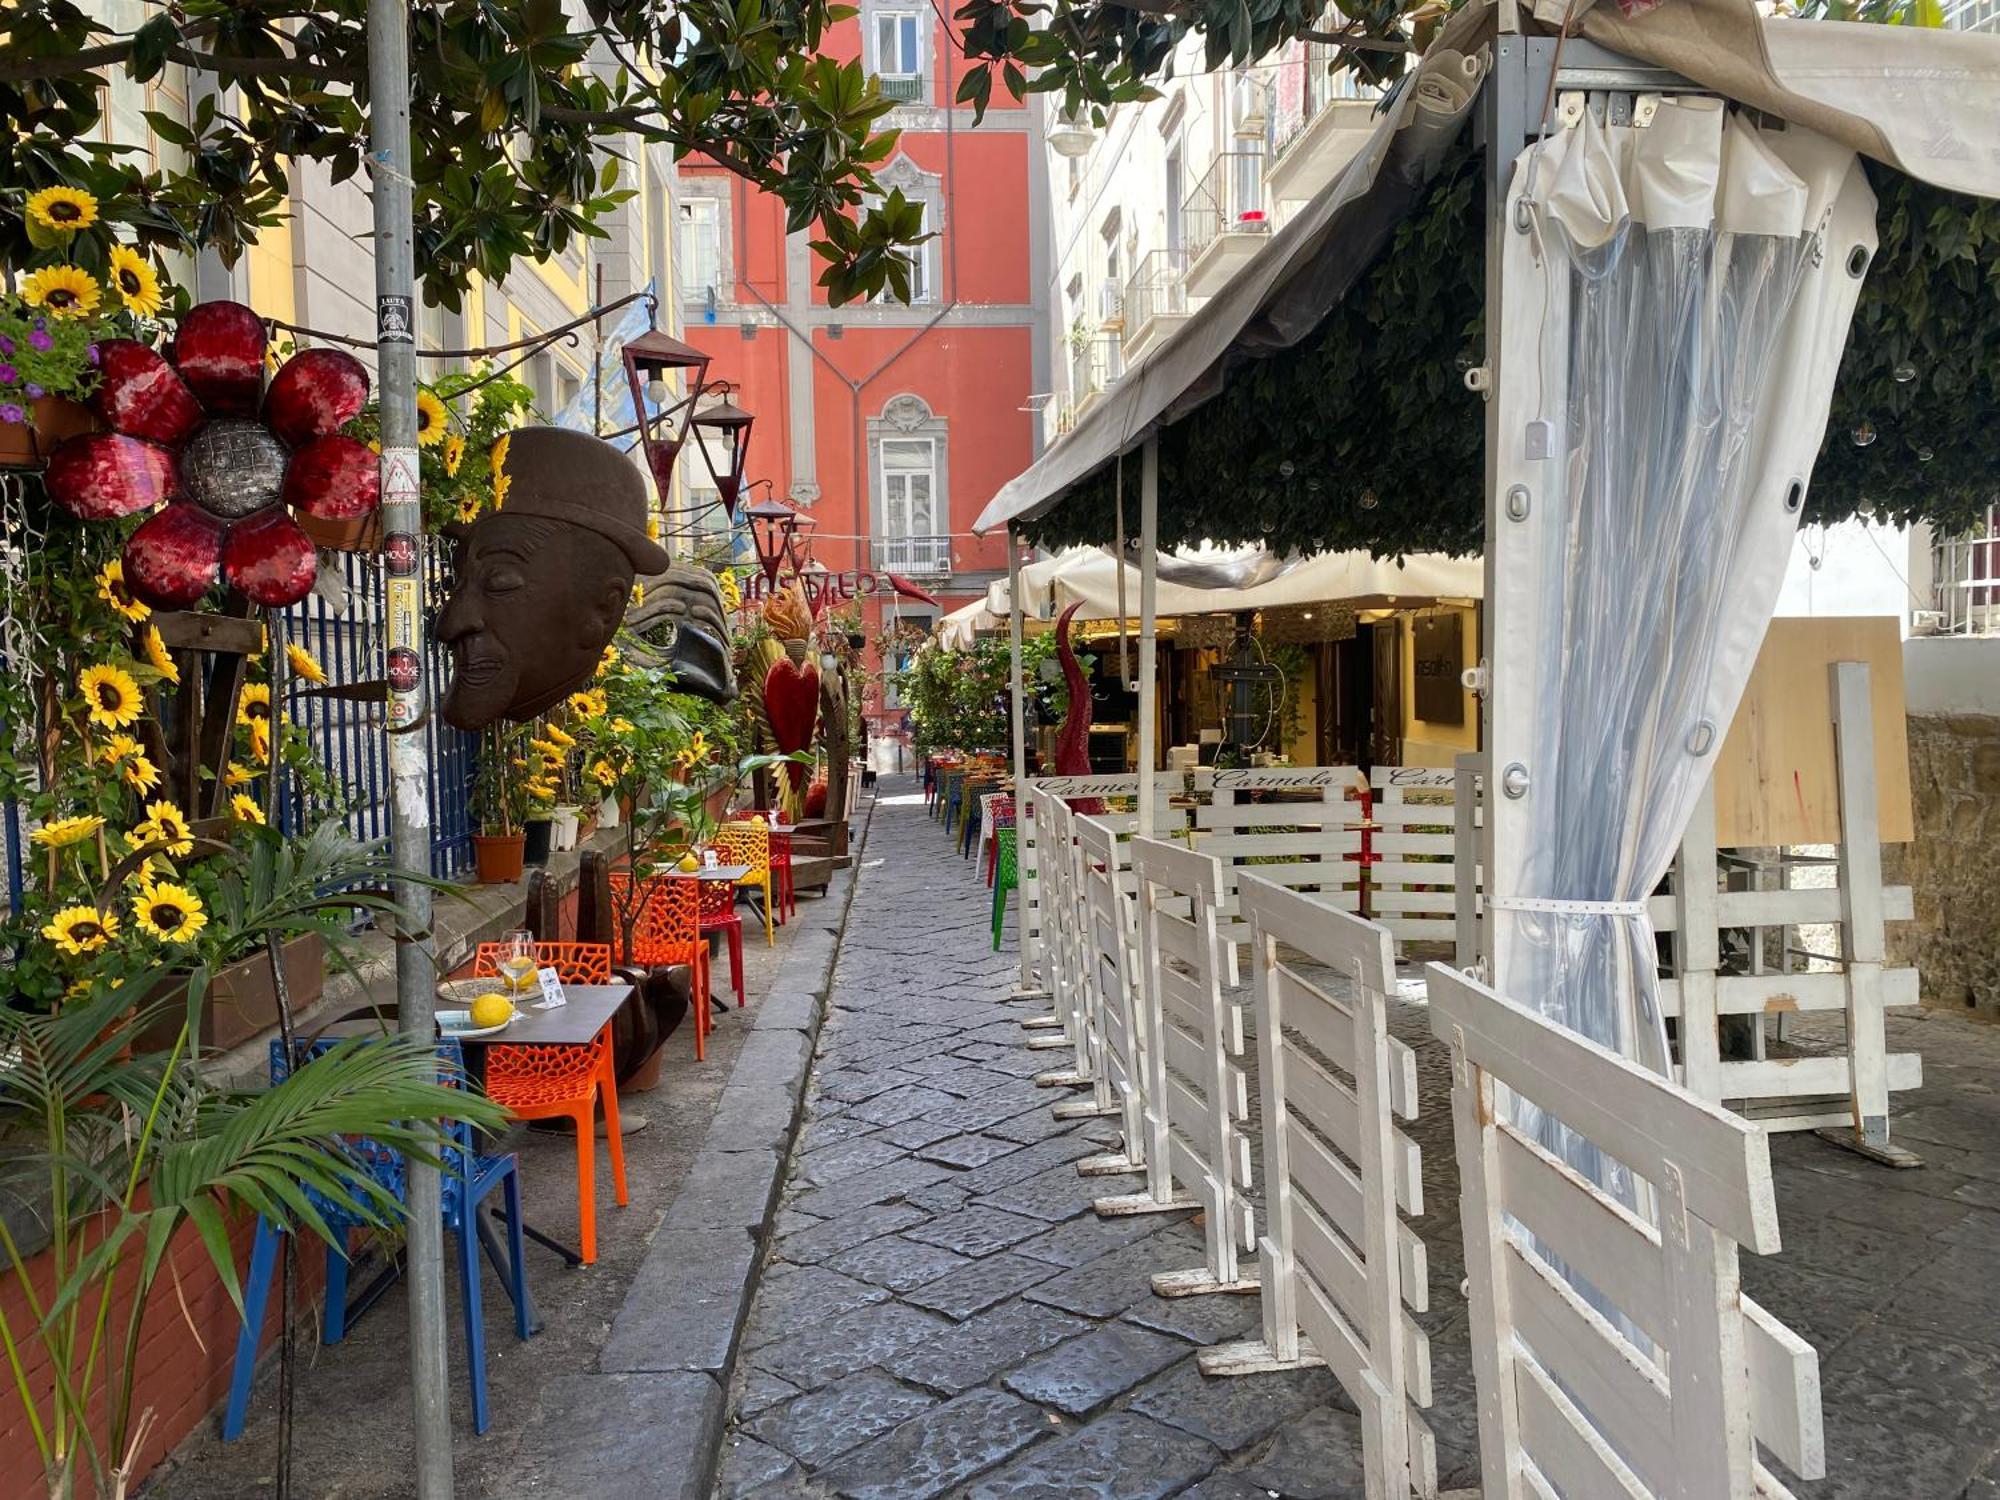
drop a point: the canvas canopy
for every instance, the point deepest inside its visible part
(1925, 102)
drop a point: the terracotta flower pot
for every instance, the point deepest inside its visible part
(498, 856)
(354, 534)
(26, 445)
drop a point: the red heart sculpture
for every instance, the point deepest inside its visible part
(791, 703)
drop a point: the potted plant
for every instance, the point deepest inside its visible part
(499, 794)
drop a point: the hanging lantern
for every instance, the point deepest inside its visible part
(648, 358)
(725, 425)
(1249, 688)
(773, 524)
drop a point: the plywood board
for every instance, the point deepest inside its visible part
(1774, 780)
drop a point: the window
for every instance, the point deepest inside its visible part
(898, 41)
(1176, 196)
(909, 474)
(700, 248)
(923, 281)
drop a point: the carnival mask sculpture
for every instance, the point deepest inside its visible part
(680, 623)
(543, 584)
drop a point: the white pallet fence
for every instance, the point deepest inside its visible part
(1846, 1095)
(1062, 941)
(1027, 842)
(1468, 824)
(1413, 882)
(1198, 1104)
(1340, 1270)
(1568, 1404)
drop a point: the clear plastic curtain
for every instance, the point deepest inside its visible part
(1695, 284)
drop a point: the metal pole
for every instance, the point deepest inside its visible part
(1018, 723)
(1149, 550)
(409, 783)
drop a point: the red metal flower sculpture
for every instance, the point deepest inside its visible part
(198, 433)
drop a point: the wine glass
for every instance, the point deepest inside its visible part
(517, 960)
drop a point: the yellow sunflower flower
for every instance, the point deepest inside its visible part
(244, 809)
(165, 825)
(172, 913)
(638, 594)
(260, 741)
(253, 706)
(111, 696)
(549, 748)
(63, 209)
(468, 507)
(60, 833)
(159, 658)
(497, 456)
(237, 775)
(589, 704)
(66, 291)
(112, 590)
(139, 772)
(605, 774)
(609, 660)
(431, 420)
(652, 528)
(135, 281)
(117, 747)
(732, 593)
(693, 753)
(81, 929)
(454, 453)
(560, 736)
(621, 725)
(305, 665)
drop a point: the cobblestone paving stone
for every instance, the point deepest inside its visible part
(944, 1315)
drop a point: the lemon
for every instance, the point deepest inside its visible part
(689, 863)
(493, 1009)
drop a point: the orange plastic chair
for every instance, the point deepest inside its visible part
(750, 844)
(668, 931)
(551, 1083)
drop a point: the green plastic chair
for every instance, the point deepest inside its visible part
(1005, 879)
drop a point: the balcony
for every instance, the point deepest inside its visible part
(1155, 301)
(904, 88)
(1111, 304)
(1097, 363)
(919, 556)
(1227, 219)
(1336, 115)
(1965, 574)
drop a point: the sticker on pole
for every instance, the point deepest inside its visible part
(399, 476)
(399, 554)
(393, 323)
(405, 670)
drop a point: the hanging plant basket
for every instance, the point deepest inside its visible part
(350, 534)
(27, 445)
(498, 857)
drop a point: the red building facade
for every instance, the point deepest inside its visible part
(890, 424)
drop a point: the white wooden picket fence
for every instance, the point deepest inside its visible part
(1847, 1094)
(1413, 880)
(1338, 1265)
(1570, 1404)
(1199, 1096)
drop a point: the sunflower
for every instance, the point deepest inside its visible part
(135, 281)
(620, 725)
(66, 291)
(111, 696)
(732, 593)
(605, 774)
(245, 809)
(305, 665)
(158, 657)
(254, 705)
(693, 753)
(431, 420)
(560, 736)
(497, 455)
(468, 507)
(237, 775)
(139, 772)
(81, 929)
(60, 833)
(260, 741)
(652, 528)
(609, 660)
(167, 826)
(117, 747)
(589, 704)
(172, 913)
(549, 748)
(638, 594)
(454, 453)
(112, 590)
(63, 209)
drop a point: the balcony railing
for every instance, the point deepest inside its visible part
(1229, 199)
(1111, 302)
(1096, 364)
(1158, 289)
(904, 88)
(1322, 88)
(913, 554)
(1965, 580)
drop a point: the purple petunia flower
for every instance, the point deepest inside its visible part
(92, 352)
(41, 340)
(9, 412)
(8, 374)
(6, 344)
(35, 392)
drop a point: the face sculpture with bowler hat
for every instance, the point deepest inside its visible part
(543, 582)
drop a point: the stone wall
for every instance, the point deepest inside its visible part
(1953, 863)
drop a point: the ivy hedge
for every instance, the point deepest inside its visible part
(1363, 436)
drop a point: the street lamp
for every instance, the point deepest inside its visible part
(730, 426)
(773, 525)
(648, 358)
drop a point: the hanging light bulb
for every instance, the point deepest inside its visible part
(1864, 433)
(1904, 372)
(1866, 509)
(1924, 455)
(1266, 525)
(1368, 500)
(1286, 468)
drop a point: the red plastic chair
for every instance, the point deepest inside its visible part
(781, 873)
(668, 931)
(551, 1083)
(717, 899)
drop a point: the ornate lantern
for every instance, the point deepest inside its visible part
(647, 360)
(773, 525)
(727, 426)
(1250, 688)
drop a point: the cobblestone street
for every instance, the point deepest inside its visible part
(943, 1314)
